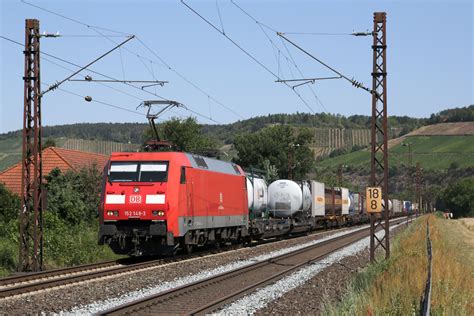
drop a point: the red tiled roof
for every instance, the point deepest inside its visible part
(54, 157)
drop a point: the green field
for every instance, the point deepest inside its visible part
(10, 152)
(432, 152)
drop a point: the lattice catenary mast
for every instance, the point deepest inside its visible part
(31, 213)
(379, 148)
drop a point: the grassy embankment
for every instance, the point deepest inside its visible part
(395, 287)
(65, 245)
(433, 152)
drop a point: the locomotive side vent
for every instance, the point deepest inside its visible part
(200, 162)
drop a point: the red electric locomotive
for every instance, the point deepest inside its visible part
(157, 202)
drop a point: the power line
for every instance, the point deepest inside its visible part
(261, 26)
(97, 101)
(352, 81)
(109, 77)
(188, 81)
(246, 53)
(73, 20)
(57, 84)
(97, 28)
(320, 33)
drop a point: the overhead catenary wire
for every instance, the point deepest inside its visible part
(352, 81)
(105, 85)
(97, 101)
(246, 53)
(73, 20)
(97, 28)
(106, 76)
(57, 84)
(219, 14)
(261, 26)
(301, 74)
(319, 33)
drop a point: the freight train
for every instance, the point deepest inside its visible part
(161, 202)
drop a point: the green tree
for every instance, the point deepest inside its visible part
(276, 145)
(50, 142)
(459, 197)
(184, 135)
(74, 196)
(9, 205)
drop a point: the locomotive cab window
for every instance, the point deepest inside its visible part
(126, 171)
(121, 171)
(153, 171)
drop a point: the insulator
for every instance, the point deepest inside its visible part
(88, 78)
(88, 98)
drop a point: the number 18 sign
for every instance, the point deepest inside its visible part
(374, 199)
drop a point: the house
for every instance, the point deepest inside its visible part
(54, 157)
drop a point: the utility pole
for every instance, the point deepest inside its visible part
(340, 174)
(379, 136)
(31, 227)
(418, 186)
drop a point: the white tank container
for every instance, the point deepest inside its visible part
(249, 193)
(286, 197)
(257, 194)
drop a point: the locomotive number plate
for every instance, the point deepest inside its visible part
(135, 199)
(135, 213)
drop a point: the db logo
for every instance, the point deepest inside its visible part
(135, 199)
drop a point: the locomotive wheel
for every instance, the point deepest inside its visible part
(188, 249)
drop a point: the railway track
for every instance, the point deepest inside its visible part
(32, 282)
(23, 284)
(210, 294)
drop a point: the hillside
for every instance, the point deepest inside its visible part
(331, 132)
(225, 133)
(434, 147)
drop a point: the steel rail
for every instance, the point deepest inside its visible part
(238, 276)
(32, 282)
(21, 284)
(21, 278)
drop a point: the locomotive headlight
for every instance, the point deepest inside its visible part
(161, 213)
(116, 213)
(155, 213)
(112, 213)
(158, 213)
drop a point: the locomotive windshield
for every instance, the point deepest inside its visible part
(150, 171)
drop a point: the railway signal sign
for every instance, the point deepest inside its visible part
(374, 199)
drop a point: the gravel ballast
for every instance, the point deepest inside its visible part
(326, 288)
(261, 298)
(98, 295)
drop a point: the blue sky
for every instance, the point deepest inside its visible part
(430, 57)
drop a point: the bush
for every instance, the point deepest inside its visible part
(459, 197)
(74, 196)
(8, 254)
(338, 152)
(9, 204)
